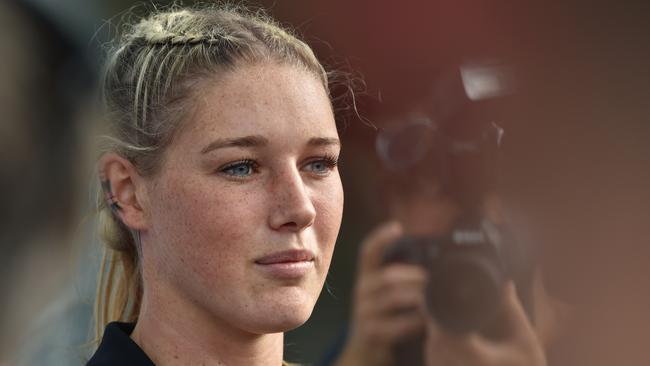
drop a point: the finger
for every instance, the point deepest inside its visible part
(468, 349)
(397, 301)
(375, 244)
(392, 276)
(392, 330)
(398, 275)
(514, 315)
(475, 349)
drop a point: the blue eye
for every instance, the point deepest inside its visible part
(322, 166)
(238, 169)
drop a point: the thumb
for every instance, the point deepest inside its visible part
(375, 244)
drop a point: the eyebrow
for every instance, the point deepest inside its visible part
(246, 141)
(257, 141)
(324, 141)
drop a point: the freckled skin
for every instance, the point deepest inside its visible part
(205, 218)
(206, 229)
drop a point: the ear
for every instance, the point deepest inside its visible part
(124, 189)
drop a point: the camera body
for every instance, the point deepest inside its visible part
(467, 269)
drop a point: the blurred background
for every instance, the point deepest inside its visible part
(578, 152)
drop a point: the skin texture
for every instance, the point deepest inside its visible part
(207, 216)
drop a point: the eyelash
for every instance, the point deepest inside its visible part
(248, 162)
(330, 162)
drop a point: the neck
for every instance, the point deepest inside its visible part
(178, 333)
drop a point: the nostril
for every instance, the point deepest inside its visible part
(290, 226)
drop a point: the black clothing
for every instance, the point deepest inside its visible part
(117, 348)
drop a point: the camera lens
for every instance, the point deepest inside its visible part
(464, 291)
(406, 145)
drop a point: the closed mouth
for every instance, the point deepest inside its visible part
(287, 256)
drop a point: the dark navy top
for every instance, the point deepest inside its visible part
(117, 348)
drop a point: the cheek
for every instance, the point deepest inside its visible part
(203, 225)
(329, 208)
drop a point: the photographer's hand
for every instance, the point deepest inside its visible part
(387, 303)
(521, 346)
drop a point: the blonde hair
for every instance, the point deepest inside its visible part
(150, 74)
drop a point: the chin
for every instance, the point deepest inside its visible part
(282, 313)
(276, 322)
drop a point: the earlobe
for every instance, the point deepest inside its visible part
(119, 180)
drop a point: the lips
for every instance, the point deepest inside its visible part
(286, 265)
(287, 256)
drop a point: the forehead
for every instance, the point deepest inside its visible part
(271, 99)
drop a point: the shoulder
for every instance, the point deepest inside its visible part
(117, 348)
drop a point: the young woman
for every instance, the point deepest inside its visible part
(222, 200)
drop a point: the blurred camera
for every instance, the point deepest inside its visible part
(457, 147)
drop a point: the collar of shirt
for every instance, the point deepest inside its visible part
(117, 348)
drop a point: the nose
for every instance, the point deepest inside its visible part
(292, 208)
